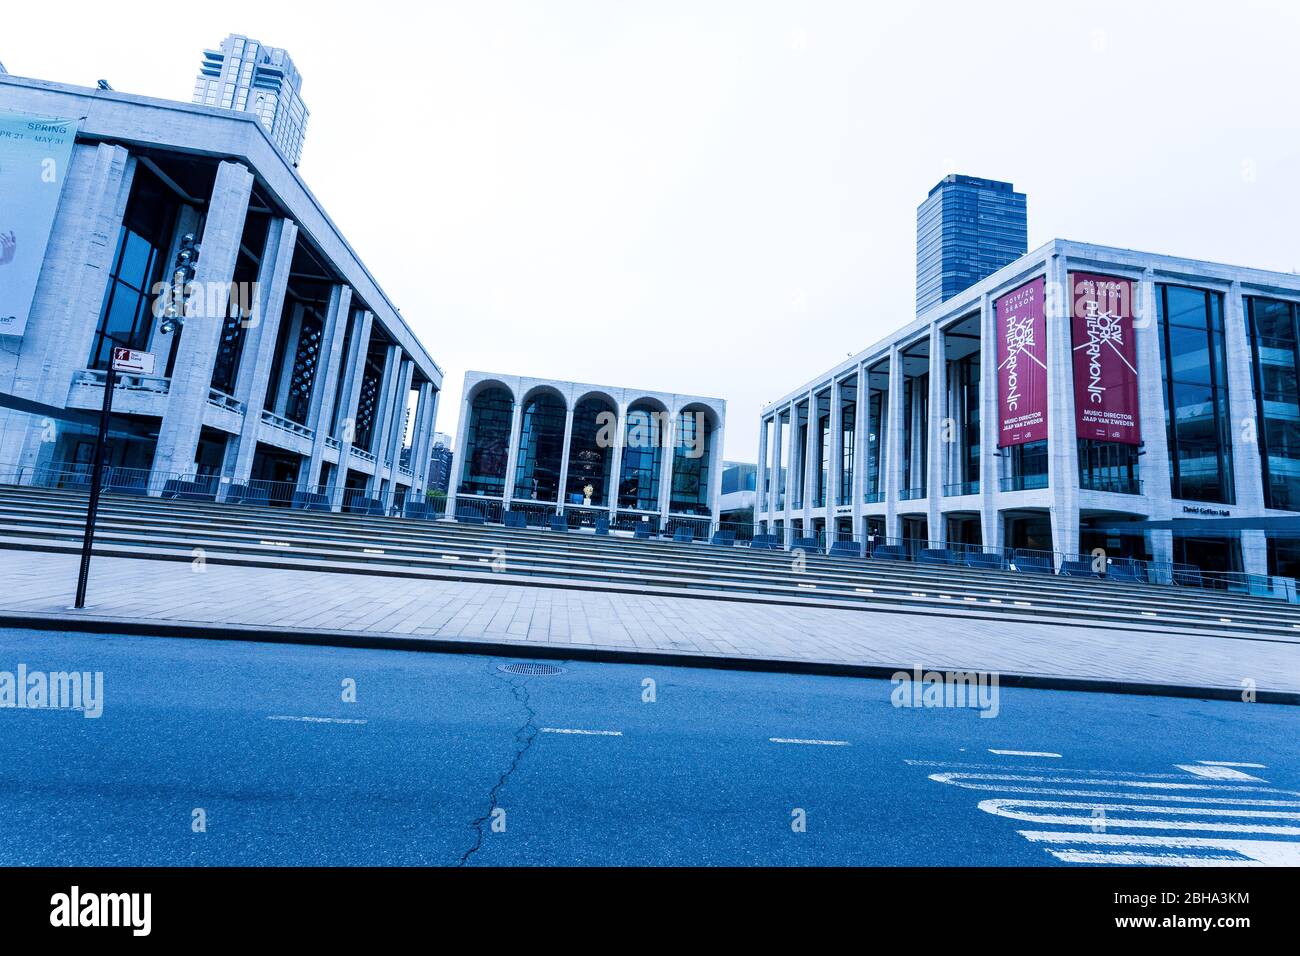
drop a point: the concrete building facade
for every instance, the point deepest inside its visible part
(546, 446)
(293, 370)
(905, 442)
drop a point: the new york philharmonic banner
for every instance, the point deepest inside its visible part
(34, 155)
(1022, 365)
(1105, 358)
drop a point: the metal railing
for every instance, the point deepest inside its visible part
(1114, 486)
(1023, 483)
(961, 488)
(284, 424)
(220, 399)
(95, 378)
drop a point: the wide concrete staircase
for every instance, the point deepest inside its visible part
(152, 528)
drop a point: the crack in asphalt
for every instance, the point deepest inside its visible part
(524, 738)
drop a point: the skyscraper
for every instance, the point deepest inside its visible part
(440, 464)
(966, 229)
(247, 76)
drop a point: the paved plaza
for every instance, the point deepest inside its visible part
(40, 586)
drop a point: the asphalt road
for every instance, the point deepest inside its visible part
(447, 760)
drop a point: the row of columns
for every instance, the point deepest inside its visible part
(190, 386)
(1063, 471)
(667, 441)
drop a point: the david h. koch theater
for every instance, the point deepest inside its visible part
(1080, 407)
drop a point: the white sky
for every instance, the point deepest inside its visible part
(719, 198)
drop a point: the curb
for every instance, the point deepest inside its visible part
(351, 639)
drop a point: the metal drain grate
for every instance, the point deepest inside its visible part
(532, 670)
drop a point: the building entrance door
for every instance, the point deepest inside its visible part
(1029, 532)
(1209, 554)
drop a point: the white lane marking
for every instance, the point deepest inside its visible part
(1229, 763)
(1025, 753)
(1002, 768)
(1023, 810)
(1217, 773)
(319, 720)
(1136, 784)
(1084, 858)
(957, 780)
(808, 743)
(582, 733)
(1266, 852)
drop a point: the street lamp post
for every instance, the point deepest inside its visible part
(173, 320)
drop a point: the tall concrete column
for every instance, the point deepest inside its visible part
(791, 473)
(397, 429)
(258, 352)
(940, 438)
(326, 387)
(1247, 463)
(616, 466)
(69, 296)
(462, 457)
(1154, 465)
(860, 426)
(668, 445)
(383, 417)
(716, 451)
(775, 506)
(834, 479)
(422, 436)
(992, 530)
(178, 437)
(810, 453)
(561, 494)
(1062, 438)
(760, 480)
(354, 373)
(512, 458)
(894, 442)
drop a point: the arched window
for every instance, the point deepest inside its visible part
(690, 492)
(595, 422)
(487, 443)
(643, 439)
(541, 448)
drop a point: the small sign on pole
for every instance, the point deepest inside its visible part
(132, 362)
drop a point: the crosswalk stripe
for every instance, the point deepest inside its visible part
(1270, 852)
(1141, 819)
(1023, 810)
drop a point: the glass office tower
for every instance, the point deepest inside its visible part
(967, 229)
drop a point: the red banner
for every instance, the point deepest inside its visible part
(1105, 359)
(1022, 365)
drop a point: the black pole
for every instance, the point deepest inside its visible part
(96, 479)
